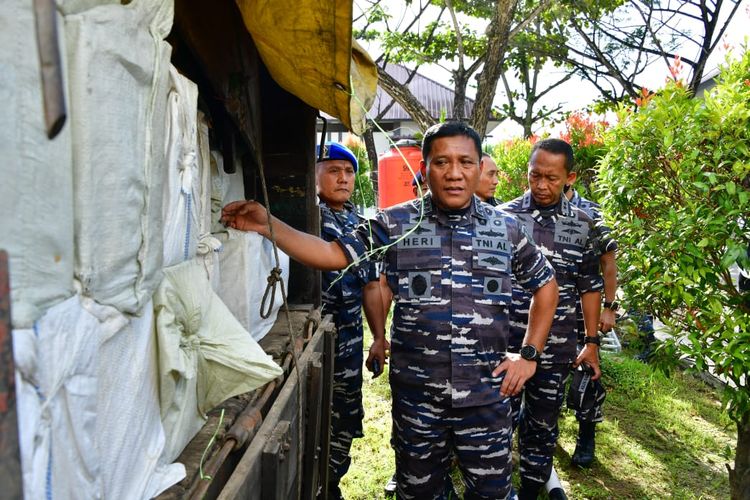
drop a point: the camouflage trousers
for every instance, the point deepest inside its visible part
(535, 413)
(346, 416)
(427, 436)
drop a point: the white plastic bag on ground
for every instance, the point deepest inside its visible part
(245, 261)
(36, 190)
(118, 66)
(205, 356)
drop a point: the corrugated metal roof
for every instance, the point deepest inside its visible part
(434, 96)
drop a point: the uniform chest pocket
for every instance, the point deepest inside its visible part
(491, 278)
(419, 275)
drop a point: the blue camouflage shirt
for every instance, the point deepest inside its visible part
(593, 210)
(569, 240)
(606, 244)
(450, 274)
(342, 290)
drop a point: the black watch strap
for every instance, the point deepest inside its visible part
(592, 340)
(614, 305)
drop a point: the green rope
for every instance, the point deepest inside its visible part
(206, 477)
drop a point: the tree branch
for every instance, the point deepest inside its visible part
(401, 94)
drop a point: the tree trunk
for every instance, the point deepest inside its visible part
(402, 95)
(372, 156)
(497, 42)
(461, 79)
(739, 477)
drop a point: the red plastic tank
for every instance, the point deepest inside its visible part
(395, 174)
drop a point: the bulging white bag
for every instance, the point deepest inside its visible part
(205, 355)
(118, 70)
(57, 367)
(245, 262)
(180, 212)
(36, 190)
(129, 434)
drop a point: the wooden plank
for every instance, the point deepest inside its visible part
(329, 351)
(314, 417)
(10, 456)
(246, 479)
(227, 67)
(276, 461)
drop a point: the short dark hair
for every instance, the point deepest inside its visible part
(556, 147)
(449, 129)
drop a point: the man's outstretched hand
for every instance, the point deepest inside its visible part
(246, 216)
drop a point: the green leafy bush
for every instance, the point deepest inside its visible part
(512, 158)
(364, 194)
(675, 179)
(583, 132)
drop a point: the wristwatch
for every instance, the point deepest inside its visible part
(592, 340)
(529, 353)
(613, 306)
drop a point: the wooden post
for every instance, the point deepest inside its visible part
(277, 463)
(314, 415)
(10, 457)
(329, 351)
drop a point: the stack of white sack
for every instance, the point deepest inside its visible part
(90, 426)
(246, 260)
(208, 245)
(118, 66)
(36, 191)
(186, 212)
(181, 174)
(131, 438)
(205, 355)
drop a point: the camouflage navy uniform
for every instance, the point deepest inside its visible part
(342, 298)
(606, 244)
(568, 238)
(450, 274)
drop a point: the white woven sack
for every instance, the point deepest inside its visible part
(118, 67)
(36, 190)
(205, 356)
(129, 433)
(57, 366)
(225, 188)
(245, 262)
(180, 214)
(204, 179)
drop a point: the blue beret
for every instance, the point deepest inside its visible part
(336, 151)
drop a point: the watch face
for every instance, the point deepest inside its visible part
(529, 352)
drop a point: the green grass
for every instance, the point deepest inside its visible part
(662, 437)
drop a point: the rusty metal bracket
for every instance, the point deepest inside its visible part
(10, 457)
(53, 90)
